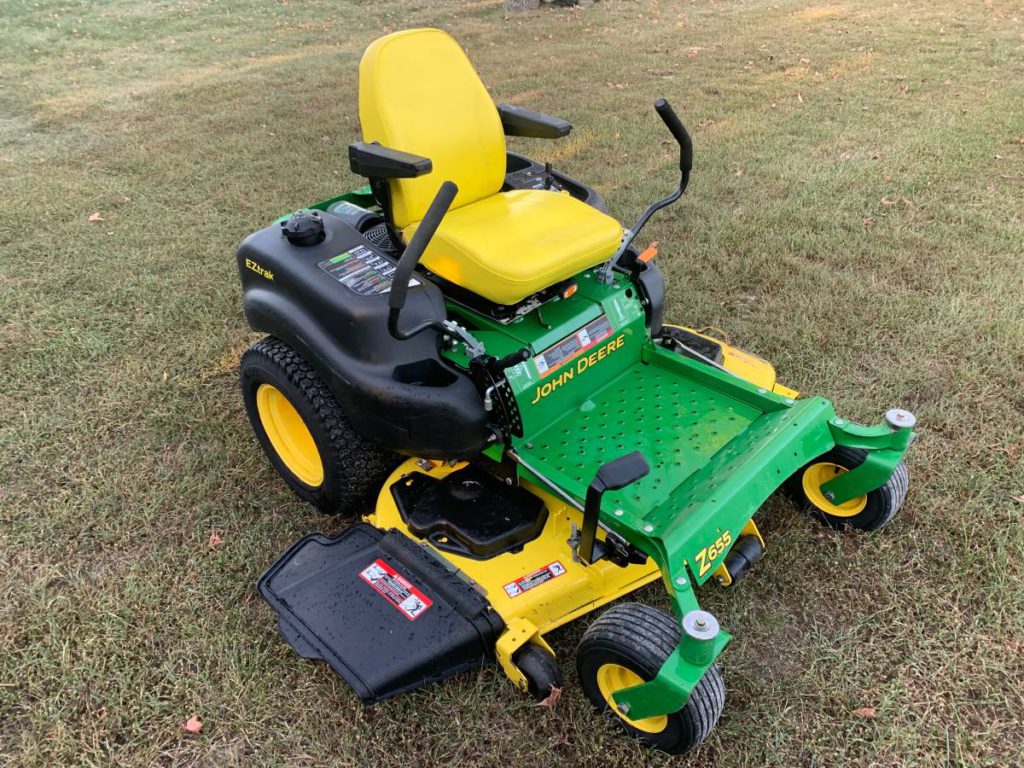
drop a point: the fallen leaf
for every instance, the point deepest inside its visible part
(866, 712)
(95, 216)
(166, 376)
(552, 698)
(1019, 498)
(215, 539)
(193, 724)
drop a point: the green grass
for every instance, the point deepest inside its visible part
(855, 216)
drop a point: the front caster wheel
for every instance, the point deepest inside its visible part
(868, 512)
(540, 668)
(627, 646)
(306, 435)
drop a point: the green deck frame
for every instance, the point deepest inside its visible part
(717, 445)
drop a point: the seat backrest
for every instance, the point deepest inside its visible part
(418, 92)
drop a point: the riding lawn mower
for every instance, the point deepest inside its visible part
(468, 356)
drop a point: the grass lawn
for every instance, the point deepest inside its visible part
(855, 216)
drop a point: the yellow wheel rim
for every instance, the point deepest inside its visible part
(615, 677)
(816, 476)
(289, 435)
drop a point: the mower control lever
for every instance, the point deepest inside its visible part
(411, 257)
(407, 264)
(679, 132)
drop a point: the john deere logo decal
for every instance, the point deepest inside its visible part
(587, 361)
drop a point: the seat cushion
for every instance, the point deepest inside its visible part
(512, 244)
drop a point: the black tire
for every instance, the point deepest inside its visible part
(353, 468)
(540, 668)
(881, 504)
(641, 638)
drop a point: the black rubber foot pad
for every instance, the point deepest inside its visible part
(382, 611)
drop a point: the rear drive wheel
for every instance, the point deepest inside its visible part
(305, 434)
(868, 512)
(627, 646)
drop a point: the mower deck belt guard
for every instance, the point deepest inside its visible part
(380, 610)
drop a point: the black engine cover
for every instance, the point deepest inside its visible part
(328, 300)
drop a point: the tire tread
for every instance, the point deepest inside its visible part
(647, 636)
(357, 466)
(886, 500)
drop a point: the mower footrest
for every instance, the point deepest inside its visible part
(381, 610)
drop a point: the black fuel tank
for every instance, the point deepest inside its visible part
(328, 300)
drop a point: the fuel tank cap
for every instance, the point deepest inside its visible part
(304, 228)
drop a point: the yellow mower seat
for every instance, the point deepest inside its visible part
(510, 245)
(419, 93)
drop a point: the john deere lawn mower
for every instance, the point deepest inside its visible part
(468, 357)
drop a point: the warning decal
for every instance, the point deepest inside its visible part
(396, 588)
(362, 271)
(573, 346)
(535, 579)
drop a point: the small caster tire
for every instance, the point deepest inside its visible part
(626, 646)
(866, 513)
(540, 668)
(305, 433)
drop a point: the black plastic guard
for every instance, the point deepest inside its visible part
(381, 610)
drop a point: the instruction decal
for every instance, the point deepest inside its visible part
(362, 271)
(571, 347)
(396, 589)
(535, 579)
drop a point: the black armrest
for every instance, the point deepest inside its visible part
(376, 162)
(520, 121)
